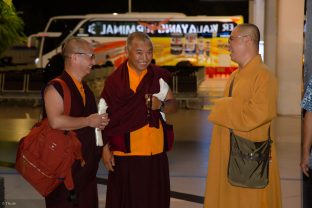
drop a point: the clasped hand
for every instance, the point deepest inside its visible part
(98, 120)
(152, 102)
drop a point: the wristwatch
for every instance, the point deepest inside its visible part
(162, 106)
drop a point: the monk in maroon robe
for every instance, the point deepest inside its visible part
(137, 136)
(83, 118)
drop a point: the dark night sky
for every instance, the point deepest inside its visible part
(36, 13)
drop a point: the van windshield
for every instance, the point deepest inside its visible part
(63, 25)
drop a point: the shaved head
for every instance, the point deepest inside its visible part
(74, 45)
(141, 36)
(251, 30)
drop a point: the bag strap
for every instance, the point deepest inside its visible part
(231, 87)
(67, 97)
(269, 134)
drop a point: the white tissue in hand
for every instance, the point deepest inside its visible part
(164, 87)
(102, 106)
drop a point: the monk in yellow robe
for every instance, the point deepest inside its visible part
(249, 112)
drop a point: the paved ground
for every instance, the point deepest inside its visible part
(188, 160)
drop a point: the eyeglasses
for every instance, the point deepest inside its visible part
(231, 38)
(90, 55)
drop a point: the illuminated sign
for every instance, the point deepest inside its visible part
(124, 28)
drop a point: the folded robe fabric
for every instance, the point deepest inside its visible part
(127, 110)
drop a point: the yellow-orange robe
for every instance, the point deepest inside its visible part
(249, 113)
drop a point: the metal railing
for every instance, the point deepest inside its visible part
(21, 83)
(27, 83)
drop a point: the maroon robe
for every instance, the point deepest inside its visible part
(127, 110)
(137, 181)
(84, 177)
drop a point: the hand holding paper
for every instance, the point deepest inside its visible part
(164, 88)
(102, 106)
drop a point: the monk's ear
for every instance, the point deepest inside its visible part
(249, 39)
(75, 57)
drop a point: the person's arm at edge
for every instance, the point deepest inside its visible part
(307, 142)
